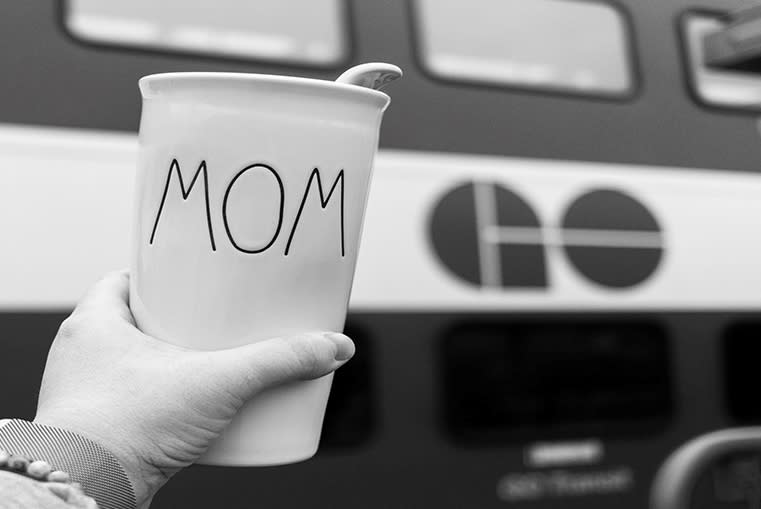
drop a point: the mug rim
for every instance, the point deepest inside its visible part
(202, 76)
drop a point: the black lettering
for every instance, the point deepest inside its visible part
(323, 203)
(185, 193)
(280, 216)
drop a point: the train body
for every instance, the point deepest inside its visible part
(560, 275)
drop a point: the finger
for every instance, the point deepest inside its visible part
(252, 368)
(109, 296)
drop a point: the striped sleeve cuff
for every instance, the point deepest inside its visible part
(88, 463)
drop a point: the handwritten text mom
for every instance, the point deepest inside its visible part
(277, 186)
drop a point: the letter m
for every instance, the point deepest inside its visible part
(315, 176)
(175, 168)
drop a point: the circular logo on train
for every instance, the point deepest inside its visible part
(489, 236)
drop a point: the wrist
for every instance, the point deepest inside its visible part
(96, 468)
(143, 479)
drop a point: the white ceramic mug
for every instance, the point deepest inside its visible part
(250, 196)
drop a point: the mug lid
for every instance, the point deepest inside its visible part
(153, 84)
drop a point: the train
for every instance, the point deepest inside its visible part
(559, 282)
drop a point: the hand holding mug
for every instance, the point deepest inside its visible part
(156, 406)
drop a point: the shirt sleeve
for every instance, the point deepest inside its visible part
(88, 463)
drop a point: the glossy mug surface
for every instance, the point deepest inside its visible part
(250, 197)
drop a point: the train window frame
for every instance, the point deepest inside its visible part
(346, 27)
(630, 46)
(688, 78)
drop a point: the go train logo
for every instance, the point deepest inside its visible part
(489, 236)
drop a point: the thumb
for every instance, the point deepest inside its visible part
(252, 368)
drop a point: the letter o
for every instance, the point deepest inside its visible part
(280, 213)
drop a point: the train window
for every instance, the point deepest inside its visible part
(264, 29)
(575, 46)
(742, 351)
(711, 85)
(516, 381)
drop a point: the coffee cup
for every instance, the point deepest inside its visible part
(250, 197)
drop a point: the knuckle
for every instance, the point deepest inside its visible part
(71, 327)
(312, 353)
(85, 322)
(303, 354)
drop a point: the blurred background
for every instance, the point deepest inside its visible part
(560, 277)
